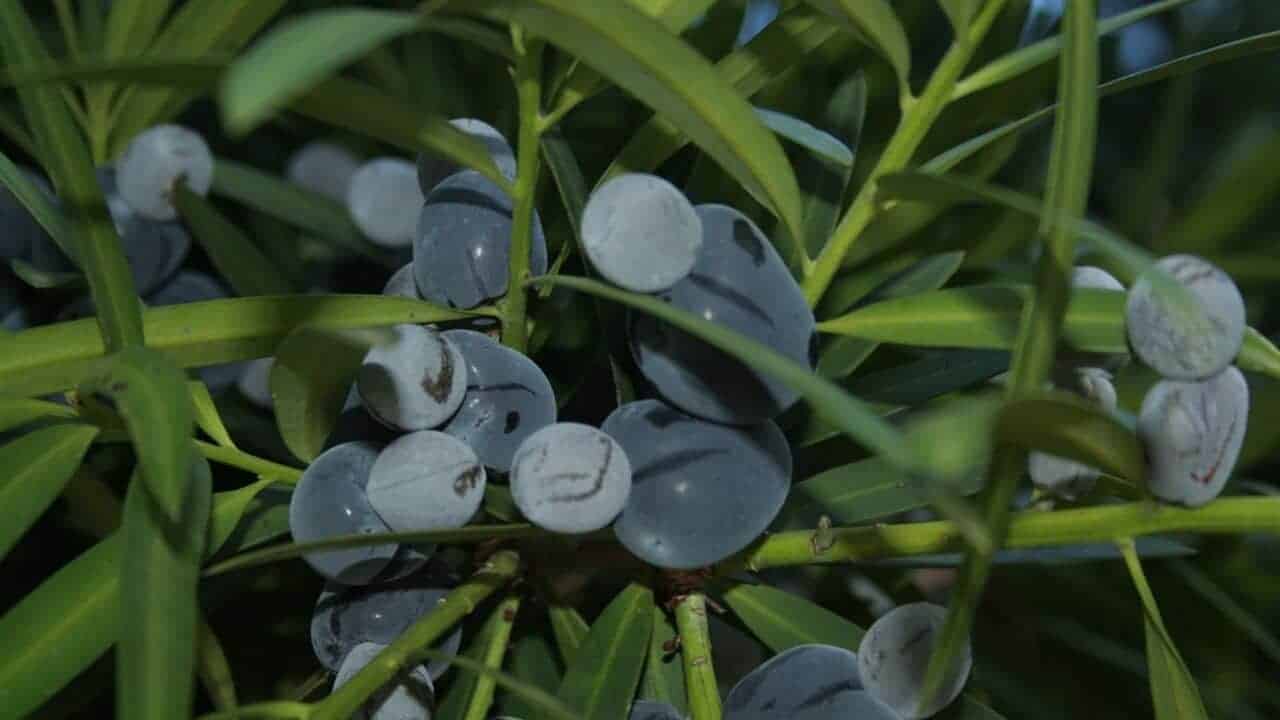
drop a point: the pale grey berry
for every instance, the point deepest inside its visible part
(344, 617)
(641, 233)
(414, 382)
(157, 159)
(408, 697)
(570, 478)
(894, 657)
(324, 168)
(402, 284)
(1193, 432)
(1170, 339)
(255, 383)
(433, 169)
(1063, 477)
(806, 682)
(426, 481)
(384, 200)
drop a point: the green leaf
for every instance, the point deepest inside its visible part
(851, 415)
(60, 628)
(933, 375)
(363, 109)
(538, 699)
(213, 668)
(641, 57)
(842, 356)
(32, 197)
(310, 380)
(798, 131)
(1148, 547)
(875, 21)
(471, 696)
(782, 620)
(37, 466)
(159, 572)
(784, 44)
(16, 412)
(67, 159)
(533, 663)
(663, 678)
(1024, 60)
(206, 414)
(604, 673)
(1227, 606)
(1173, 690)
(959, 12)
(246, 268)
(150, 393)
(234, 506)
(178, 71)
(823, 183)
(132, 25)
(570, 630)
(302, 208)
(43, 279)
(1069, 426)
(56, 357)
(299, 54)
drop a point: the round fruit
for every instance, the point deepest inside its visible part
(384, 201)
(155, 161)
(1191, 343)
(570, 478)
(426, 481)
(894, 657)
(433, 169)
(415, 382)
(323, 168)
(806, 682)
(641, 233)
(409, 697)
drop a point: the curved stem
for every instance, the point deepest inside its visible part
(252, 463)
(528, 76)
(1026, 530)
(695, 649)
(918, 116)
(495, 574)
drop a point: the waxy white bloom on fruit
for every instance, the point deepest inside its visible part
(415, 382)
(155, 161)
(894, 657)
(426, 481)
(570, 478)
(1168, 338)
(384, 201)
(641, 233)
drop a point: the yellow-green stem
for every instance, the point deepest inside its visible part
(528, 77)
(252, 463)
(918, 116)
(499, 628)
(405, 651)
(695, 649)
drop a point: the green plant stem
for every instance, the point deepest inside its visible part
(1031, 529)
(276, 709)
(918, 116)
(500, 637)
(254, 464)
(695, 650)
(404, 652)
(528, 77)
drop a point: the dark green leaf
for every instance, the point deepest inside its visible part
(132, 24)
(471, 696)
(533, 663)
(782, 620)
(1066, 425)
(570, 630)
(663, 678)
(245, 267)
(798, 131)
(16, 412)
(876, 21)
(38, 203)
(604, 673)
(36, 467)
(45, 279)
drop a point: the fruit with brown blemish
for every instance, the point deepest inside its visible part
(570, 478)
(415, 381)
(426, 480)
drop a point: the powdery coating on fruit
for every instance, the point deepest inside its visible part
(464, 240)
(741, 283)
(1193, 432)
(347, 616)
(255, 383)
(808, 682)
(508, 399)
(20, 231)
(433, 169)
(384, 200)
(894, 656)
(1089, 276)
(1162, 340)
(699, 491)
(402, 284)
(653, 710)
(330, 501)
(641, 233)
(570, 478)
(323, 168)
(409, 698)
(155, 160)
(426, 481)
(415, 382)
(1063, 477)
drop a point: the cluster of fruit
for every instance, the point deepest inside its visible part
(1185, 320)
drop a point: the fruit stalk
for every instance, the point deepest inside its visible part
(404, 652)
(695, 649)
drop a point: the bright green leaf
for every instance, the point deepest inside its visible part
(604, 673)
(36, 467)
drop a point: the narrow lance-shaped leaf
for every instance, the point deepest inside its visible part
(845, 411)
(206, 414)
(50, 358)
(641, 57)
(876, 21)
(36, 202)
(532, 662)
(246, 268)
(570, 630)
(471, 696)
(131, 25)
(36, 467)
(150, 393)
(15, 412)
(798, 131)
(1068, 426)
(663, 678)
(159, 572)
(300, 53)
(604, 673)
(310, 380)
